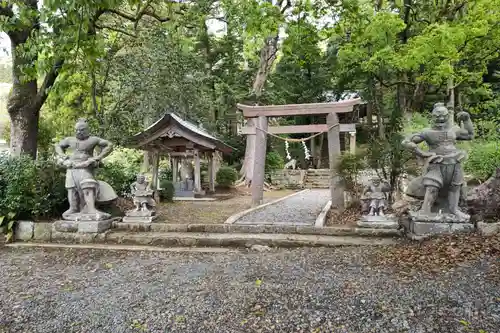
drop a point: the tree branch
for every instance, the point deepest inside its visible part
(48, 82)
(6, 11)
(135, 18)
(115, 29)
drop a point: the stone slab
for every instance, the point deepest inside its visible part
(381, 224)
(42, 231)
(139, 219)
(94, 226)
(429, 228)
(65, 226)
(488, 229)
(24, 230)
(140, 213)
(437, 218)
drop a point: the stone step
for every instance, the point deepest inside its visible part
(170, 239)
(255, 229)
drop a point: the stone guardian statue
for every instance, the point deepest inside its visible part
(83, 188)
(442, 178)
(376, 193)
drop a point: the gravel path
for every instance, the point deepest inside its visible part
(303, 290)
(302, 208)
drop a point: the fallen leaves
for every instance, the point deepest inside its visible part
(436, 255)
(347, 217)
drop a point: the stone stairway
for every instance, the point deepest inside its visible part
(317, 178)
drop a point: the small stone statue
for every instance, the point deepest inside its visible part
(442, 180)
(376, 192)
(142, 194)
(292, 164)
(83, 188)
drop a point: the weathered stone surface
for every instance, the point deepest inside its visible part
(378, 222)
(73, 237)
(488, 229)
(166, 227)
(140, 213)
(65, 226)
(429, 228)
(24, 230)
(438, 218)
(42, 231)
(139, 219)
(132, 226)
(94, 226)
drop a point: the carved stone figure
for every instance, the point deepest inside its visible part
(142, 194)
(83, 188)
(292, 164)
(442, 180)
(376, 193)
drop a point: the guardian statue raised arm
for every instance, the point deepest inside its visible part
(442, 177)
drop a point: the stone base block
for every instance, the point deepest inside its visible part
(420, 229)
(378, 222)
(24, 230)
(139, 219)
(65, 226)
(488, 229)
(140, 213)
(438, 218)
(42, 231)
(94, 226)
(82, 226)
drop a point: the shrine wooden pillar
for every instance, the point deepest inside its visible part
(154, 177)
(197, 171)
(211, 172)
(336, 187)
(259, 161)
(352, 142)
(156, 166)
(174, 162)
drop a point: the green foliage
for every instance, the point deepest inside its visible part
(274, 161)
(226, 176)
(483, 159)
(31, 189)
(118, 176)
(349, 167)
(167, 190)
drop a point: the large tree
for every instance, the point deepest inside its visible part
(47, 38)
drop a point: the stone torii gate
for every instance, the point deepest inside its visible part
(257, 118)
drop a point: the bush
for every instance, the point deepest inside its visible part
(274, 161)
(484, 158)
(167, 190)
(118, 176)
(31, 189)
(348, 167)
(226, 176)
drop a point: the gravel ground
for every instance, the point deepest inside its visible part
(207, 212)
(304, 290)
(302, 208)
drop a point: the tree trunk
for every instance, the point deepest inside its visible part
(22, 106)
(267, 57)
(246, 171)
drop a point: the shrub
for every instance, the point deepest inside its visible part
(167, 190)
(31, 189)
(226, 176)
(348, 167)
(274, 161)
(118, 176)
(484, 158)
